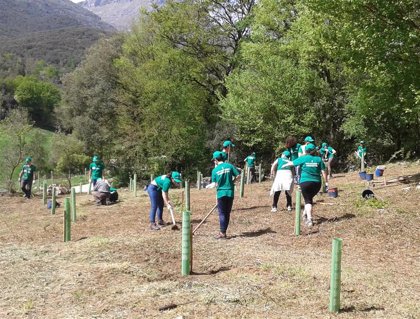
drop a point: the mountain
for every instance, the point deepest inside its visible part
(119, 13)
(56, 31)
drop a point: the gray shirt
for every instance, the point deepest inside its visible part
(102, 186)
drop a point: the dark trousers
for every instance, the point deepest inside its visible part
(309, 190)
(224, 205)
(252, 174)
(101, 197)
(156, 202)
(26, 186)
(277, 196)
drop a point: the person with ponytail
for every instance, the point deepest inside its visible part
(158, 191)
(312, 166)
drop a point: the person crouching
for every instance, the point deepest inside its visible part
(101, 191)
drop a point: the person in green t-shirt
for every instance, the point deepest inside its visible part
(26, 177)
(96, 170)
(293, 147)
(312, 167)
(224, 175)
(361, 151)
(158, 192)
(227, 148)
(282, 182)
(328, 155)
(250, 162)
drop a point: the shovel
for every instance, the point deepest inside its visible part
(174, 226)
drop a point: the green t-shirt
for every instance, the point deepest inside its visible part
(250, 161)
(28, 172)
(327, 152)
(163, 182)
(223, 175)
(311, 168)
(281, 162)
(96, 169)
(294, 151)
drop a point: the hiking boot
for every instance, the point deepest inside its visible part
(153, 226)
(274, 209)
(161, 222)
(289, 208)
(220, 236)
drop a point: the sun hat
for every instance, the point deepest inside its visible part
(95, 158)
(176, 177)
(310, 147)
(228, 143)
(309, 139)
(324, 145)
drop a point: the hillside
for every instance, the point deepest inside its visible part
(57, 31)
(118, 13)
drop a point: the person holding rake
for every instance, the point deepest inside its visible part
(223, 175)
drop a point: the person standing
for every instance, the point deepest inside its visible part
(96, 170)
(250, 162)
(293, 147)
(26, 177)
(302, 148)
(361, 152)
(282, 182)
(227, 148)
(328, 155)
(312, 167)
(224, 175)
(158, 191)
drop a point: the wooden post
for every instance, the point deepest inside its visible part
(67, 220)
(44, 193)
(81, 187)
(248, 171)
(198, 180)
(362, 164)
(187, 195)
(131, 185)
(259, 173)
(90, 188)
(52, 178)
(335, 284)
(135, 185)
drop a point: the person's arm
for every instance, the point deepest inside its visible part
(274, 167)
(20, 175)
(165, 196)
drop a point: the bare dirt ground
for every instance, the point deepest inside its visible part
(114, 267)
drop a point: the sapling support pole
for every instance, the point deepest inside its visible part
(73, 204)
(362, 164)
(53, 199)
(198, 180)
(335, 285)
(297, 213)
(187, 196)
(135, 185)
(131, 185)
(90, 188)
(259, 173)
(248, 177)
(67, 220)
(186, 244)
(241, 189)
(81, 187)
(44, 193)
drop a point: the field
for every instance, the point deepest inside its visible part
(114, 267)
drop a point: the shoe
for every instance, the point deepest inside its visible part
(161, 222)
(289, 208)
(274, 209)
(220, 236)
(309, 223)
(153, 226)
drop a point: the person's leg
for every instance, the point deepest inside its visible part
(154, 202)
(229, 204)
(160, 209)
(224, 204)
(329, 167)
(311, 189)
(29, 188)
(24, 187)
(252, 172)
(288, 200)
(275, 201)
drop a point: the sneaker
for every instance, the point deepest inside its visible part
(153, 226)
(309, 223)
(161, 222)
(220, 236)
(289, 208)
(274, 209)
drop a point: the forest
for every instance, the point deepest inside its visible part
(191, 74)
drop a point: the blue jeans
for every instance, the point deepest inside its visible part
(224, 205)
(156, 201)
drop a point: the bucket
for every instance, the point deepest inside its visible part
(379, 172)
(333, 192)
(369, 177)
(367, 193)
(362, 175)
